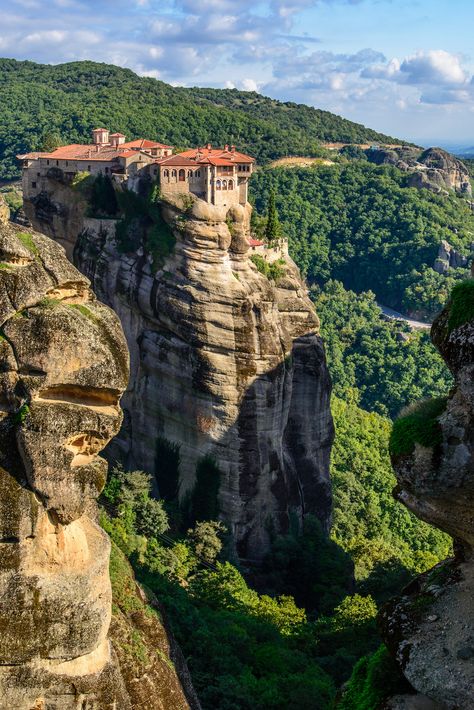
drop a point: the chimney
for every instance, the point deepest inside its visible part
(226, 147)
(232, 147)
(209, 147)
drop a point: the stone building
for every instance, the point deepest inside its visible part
(218, 176)
(108, 154)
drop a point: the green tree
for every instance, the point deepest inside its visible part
(272, 229)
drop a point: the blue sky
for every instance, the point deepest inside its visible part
(402, 67)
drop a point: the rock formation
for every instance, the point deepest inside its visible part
(430, 629)
(449, 258)
(225, 363)
(63, 368)
(434, 169)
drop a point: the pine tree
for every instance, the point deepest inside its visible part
(272, 230)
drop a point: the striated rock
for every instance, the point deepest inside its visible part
(225, 364)
(63, 368)
(430, 629)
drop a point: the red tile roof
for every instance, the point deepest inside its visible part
(255, 242)
(85, 152)
(144, 143)
(209, 156)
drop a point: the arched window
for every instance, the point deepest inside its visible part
(224, 184)
(231, 184)
(218, 185)
(182, 175)
(166, 175)
(174, 174)
(190, 174)
(198, 174)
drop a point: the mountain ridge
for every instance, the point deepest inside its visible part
(63, 101)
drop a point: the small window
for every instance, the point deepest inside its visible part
(106, 170)
(198, 173)
(38, 174)
(47, 162)
(57, 162)
(89, 168)
(231, 184)
(190, 174)
(224, 184)
(67, 164)
(218, 185)
(33, 184)
(155, 171)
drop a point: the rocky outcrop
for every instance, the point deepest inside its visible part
(449, 258)
(434, 169)
(226, 364)
(63, 368)
(452, 171)
(430, 629)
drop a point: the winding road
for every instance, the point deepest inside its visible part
(395, 315)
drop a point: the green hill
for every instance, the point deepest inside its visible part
(39, 102)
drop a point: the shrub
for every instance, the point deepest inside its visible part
(462, 304)
(205, 541)
(273, 271)
(373, 679)
(417, 425)
(82, 182)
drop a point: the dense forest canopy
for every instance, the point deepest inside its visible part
(383, 365)
(64, 102)
(362, 225)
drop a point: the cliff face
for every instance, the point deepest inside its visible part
(224, 363)
(430, 629)
(434, 169)
(63, 368)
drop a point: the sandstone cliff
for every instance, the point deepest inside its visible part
(225, 363)
(63, 368)
(430, 629)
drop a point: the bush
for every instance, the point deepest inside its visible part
(462, 304)
(417, 425)
(374, 679)
(273, 271)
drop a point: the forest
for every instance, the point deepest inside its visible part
(43, 106)
(362, 225)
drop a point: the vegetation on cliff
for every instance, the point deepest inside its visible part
(44, 106)
(363, 225)
(417, 424)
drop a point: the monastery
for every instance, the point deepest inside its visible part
(218, 176)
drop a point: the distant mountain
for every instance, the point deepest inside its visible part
(43, 103)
